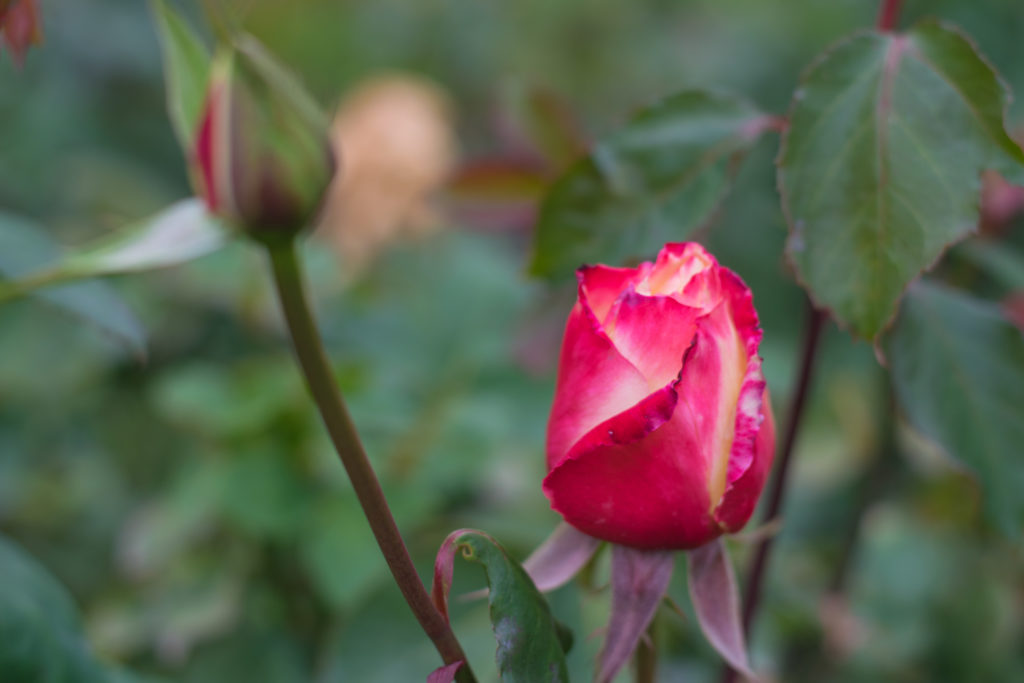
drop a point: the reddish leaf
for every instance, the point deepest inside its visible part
(444, 569)
(445, 674)
(499, 180)
(497, 194)
(716, 600)
(639, 582)
(21, 28)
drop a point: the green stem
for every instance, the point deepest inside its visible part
(319, 378)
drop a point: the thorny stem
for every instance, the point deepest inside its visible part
(888, 15)
(319, 378)
(755, 576)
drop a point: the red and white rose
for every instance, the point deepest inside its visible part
(661, 434)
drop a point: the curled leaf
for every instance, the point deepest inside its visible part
(529, 644)
(556, 560)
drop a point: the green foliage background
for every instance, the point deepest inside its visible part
(191, 504)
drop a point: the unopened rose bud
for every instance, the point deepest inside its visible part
(661, 433)
(262, 155)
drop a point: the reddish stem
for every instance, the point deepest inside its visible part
(888, 14)
(319, 375)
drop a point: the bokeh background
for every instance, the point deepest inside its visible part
(190, 503)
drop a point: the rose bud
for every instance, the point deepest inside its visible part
(661, 434)
(262, 153)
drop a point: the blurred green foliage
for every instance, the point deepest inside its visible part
(192, 506)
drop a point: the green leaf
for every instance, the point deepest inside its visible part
(30, 263)
(653, 181)
(339, 552)
(265, 475)
(880, 166)
(999, 260)
(26, 248)
(958, 371)
(180, 233)
(186, 69)
(40, 633)
(250, 654)
(529, 641)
